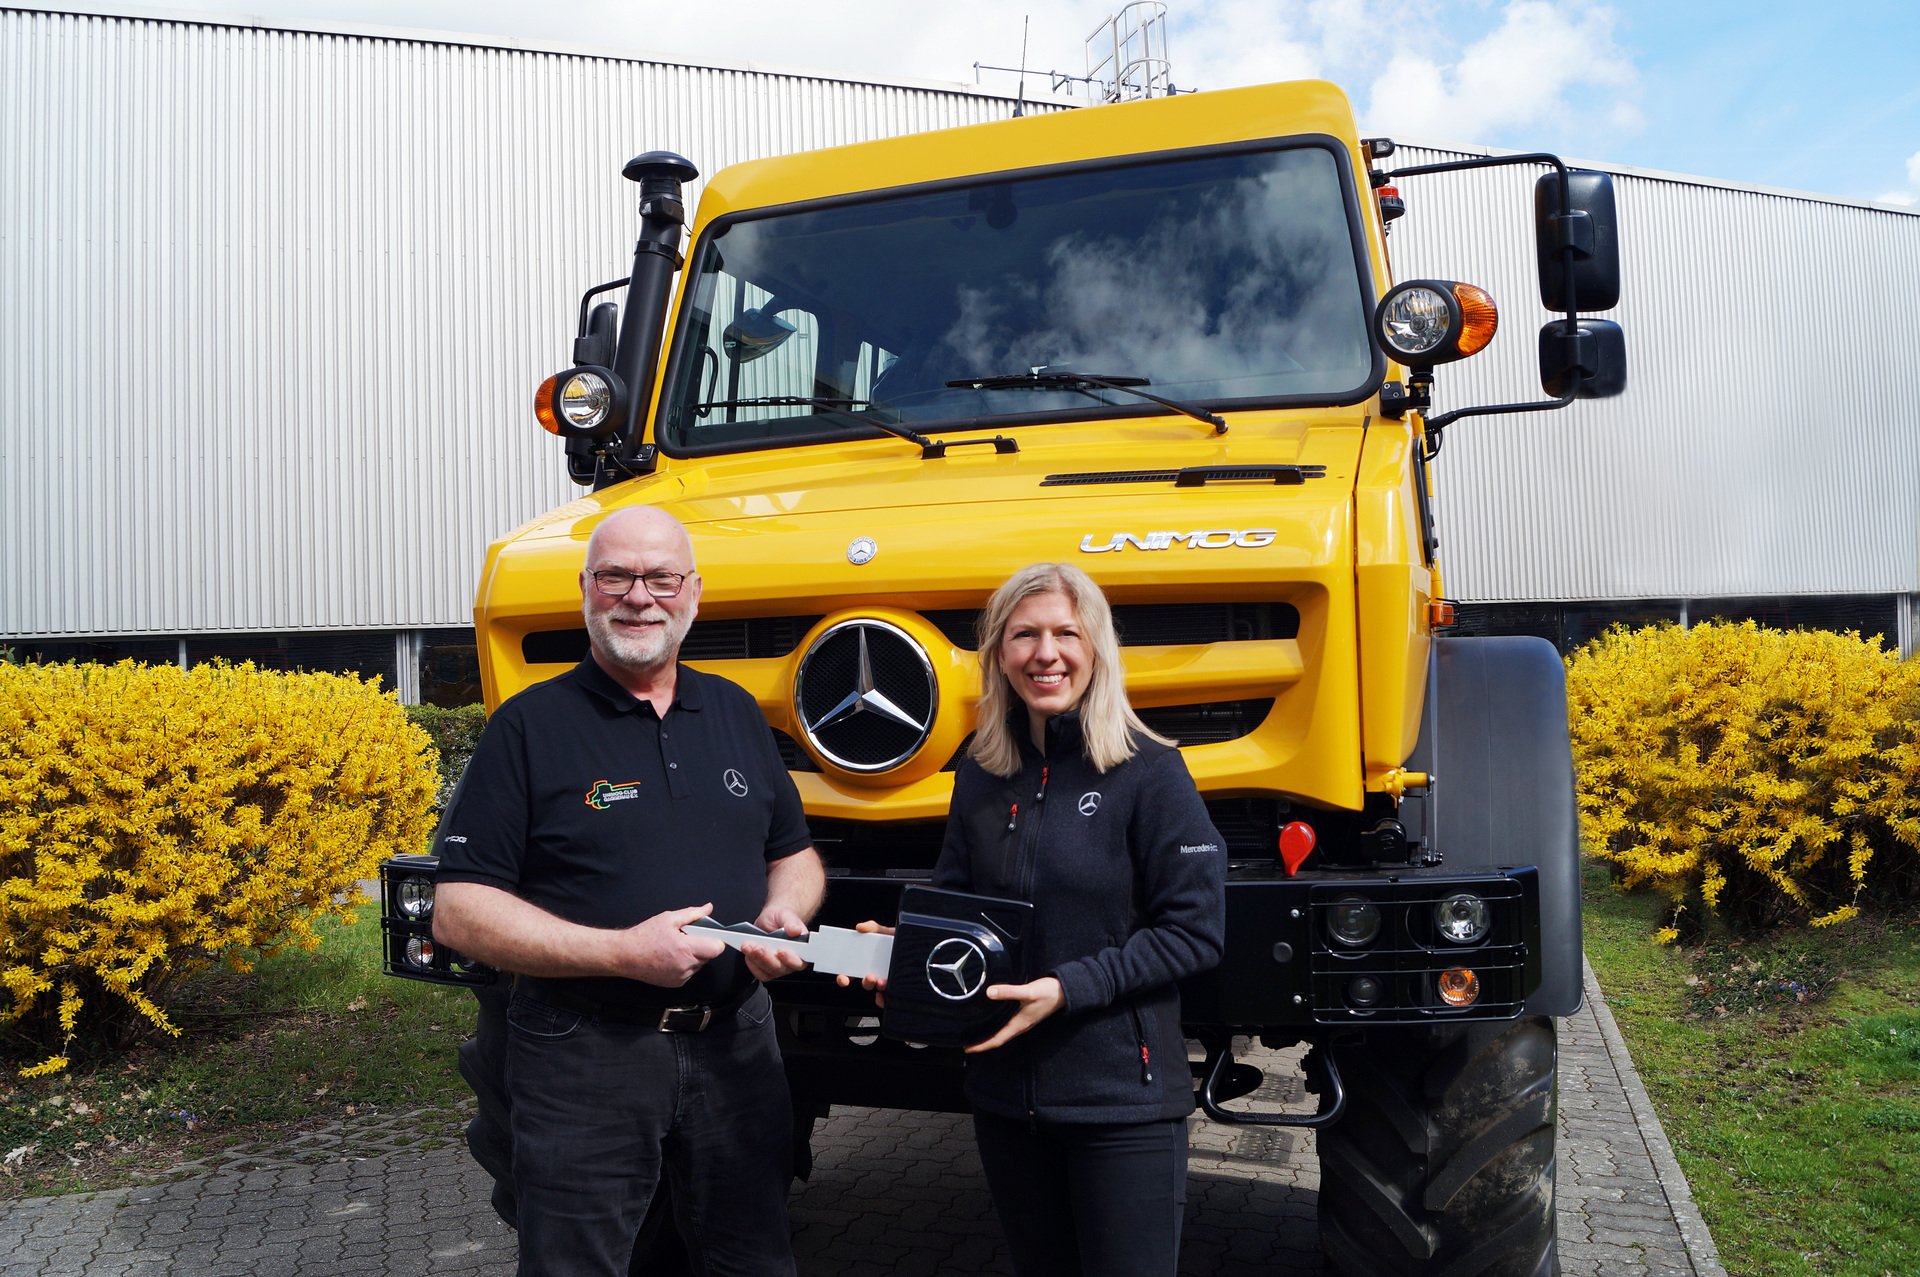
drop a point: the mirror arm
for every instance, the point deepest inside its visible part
(590, 294)
(1568, 251)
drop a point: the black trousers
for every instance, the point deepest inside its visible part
(600, 1111)
(1087, 1201)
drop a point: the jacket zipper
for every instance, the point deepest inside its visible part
(1028, 842)
(1140, 1035)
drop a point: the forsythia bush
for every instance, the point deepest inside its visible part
(1765, 774)
(154, 820)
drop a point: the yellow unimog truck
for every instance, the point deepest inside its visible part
(1160, 340)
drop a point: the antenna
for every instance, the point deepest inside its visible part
(1020, 103)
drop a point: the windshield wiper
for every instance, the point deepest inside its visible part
(810, 401)
(1041, 379)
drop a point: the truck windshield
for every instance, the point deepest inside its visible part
(1227, 281)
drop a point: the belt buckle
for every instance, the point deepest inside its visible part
(666, 1016)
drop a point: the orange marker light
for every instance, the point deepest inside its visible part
(1458, 986)
(1478, 318)
(543, 406)
(1296, 844)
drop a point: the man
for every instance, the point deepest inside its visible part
(603, 811)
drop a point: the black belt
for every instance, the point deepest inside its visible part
(693, 1018)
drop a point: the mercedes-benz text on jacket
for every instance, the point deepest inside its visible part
(1127, 876)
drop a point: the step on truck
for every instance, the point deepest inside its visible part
(1160, 340)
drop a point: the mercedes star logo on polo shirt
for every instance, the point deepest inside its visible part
(865, 695)
(956, 968)
(736, 783)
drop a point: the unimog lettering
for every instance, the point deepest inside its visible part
(922, 342)
(1198, 539)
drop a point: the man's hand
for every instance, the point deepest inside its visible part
(1037, 1001)
(765, 961)
(659, 952)
(877, 983)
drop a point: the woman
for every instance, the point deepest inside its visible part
(1068, 800)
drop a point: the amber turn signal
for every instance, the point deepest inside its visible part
(1478, 318)
(1440, 612)
(543, 406)
(1458, 986)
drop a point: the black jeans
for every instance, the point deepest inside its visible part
(600, 1110)
(1105, 1200)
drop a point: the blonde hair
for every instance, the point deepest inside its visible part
(1107, 722)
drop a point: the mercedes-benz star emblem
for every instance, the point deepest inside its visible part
(866, 695)
(861, 550)
(956, 968)
(1089, 802)
(736, 783)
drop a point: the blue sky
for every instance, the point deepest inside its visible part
(1818, 97)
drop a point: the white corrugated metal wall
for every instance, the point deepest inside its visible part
(273, 303)
(1768, 442)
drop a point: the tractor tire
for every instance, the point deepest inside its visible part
(1443, 1165)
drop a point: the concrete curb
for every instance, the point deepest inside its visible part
(1673, 1182)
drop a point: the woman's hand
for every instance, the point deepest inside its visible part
(1037, 1001)
(877, 983)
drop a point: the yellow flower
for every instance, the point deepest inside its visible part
(1765, 774)
(154, 821)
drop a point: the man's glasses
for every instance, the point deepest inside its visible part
(661, 585)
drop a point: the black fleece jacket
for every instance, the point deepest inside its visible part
(1127, 876)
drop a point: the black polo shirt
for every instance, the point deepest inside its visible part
(583, 801)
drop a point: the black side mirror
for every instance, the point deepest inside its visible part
(1592, 363)
(1590, 229)
(596, 346)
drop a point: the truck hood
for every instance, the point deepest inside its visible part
(873, 475)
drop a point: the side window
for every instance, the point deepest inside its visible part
(874, 361)
(767, 349)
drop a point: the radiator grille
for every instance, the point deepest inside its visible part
(748, 638)
(1159, 624)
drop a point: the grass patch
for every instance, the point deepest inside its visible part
(305, 1039)
(1786, 1070)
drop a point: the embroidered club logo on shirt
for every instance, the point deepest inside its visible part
(736, 783)
(604, 792)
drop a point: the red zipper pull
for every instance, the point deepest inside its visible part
(1011, 816)
(1146, 1064)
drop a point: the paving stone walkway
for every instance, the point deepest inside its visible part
(891, 1193)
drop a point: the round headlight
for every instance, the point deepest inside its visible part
(1363, 992)
(585, 400)
(1353, 920)
(420, 951)
(415, 897)
(1461, 918)
(1415, 321)
(1424, 322)
(588, 402)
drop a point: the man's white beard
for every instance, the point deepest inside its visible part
(641, 653)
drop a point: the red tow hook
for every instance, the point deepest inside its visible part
(1296, 844)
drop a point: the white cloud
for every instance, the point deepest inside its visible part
(1523, 76)
(1912, 194)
